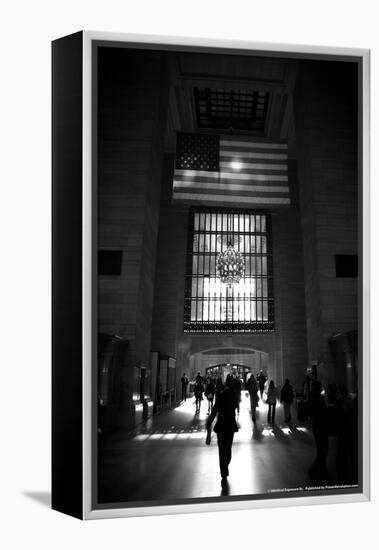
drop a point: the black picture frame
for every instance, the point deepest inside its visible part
(75, 205)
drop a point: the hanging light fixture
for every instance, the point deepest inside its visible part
(230, 265)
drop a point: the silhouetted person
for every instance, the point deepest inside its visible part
(184, 381)
(210, 393)
(237, 388)
(346, 431)
(225, 427)
(219, 387)
(252, 388)
(261, 379)
(287, 395)
(198, 392)
(199, 378)
(304, 403)
(159, 391)
(319, 417)
(307, 387)
(272, 395)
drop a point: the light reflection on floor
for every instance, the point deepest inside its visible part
(167, 458)
(198, 430)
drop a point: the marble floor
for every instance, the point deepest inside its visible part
(167, 458)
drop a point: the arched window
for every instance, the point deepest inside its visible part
(213, 306)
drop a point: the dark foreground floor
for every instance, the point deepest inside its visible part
(168, 459)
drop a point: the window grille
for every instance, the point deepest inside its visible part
(212, 306)
(225, 109)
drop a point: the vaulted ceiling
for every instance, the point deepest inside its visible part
(229, 94)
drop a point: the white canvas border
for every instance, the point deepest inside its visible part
(87, 276)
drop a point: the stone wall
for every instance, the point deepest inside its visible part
(132, 112)
(286, 348)
(133, 95)
(326, 134)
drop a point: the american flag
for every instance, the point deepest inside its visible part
(231, 171)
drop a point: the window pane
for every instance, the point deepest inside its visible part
(247, 311)
(264, 265)
(235, 222)
(235, 310)
(247, 266)
(206, 264)
(242, 223)
(204, 243)
(220, 246)
(223, 289)
(200, 286)
(217, 310)
(205, 310)
(209, 287)
(258, 265)
(193, 310)
(257, 224)
(242, 310)
(212, 268)
(199, 310)
(254, 310)
(194, 265)
(265, 311)
(196, 242)
(229, 310)
(212, 301)
(252, 266)
(201, 264)
(213, 243)
(264, 287)
(194, 287)
(223, 310)
(259, 311)
(259, 287)
(211, 310)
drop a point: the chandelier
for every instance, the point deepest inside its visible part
(230, 265)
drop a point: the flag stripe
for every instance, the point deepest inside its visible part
(228, 143)
(203, 174)
(231, 192)
(232, 198)
(256, 166)
(260, 177)
(252, 155)
(232, 187)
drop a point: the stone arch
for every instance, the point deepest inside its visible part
(249, 356)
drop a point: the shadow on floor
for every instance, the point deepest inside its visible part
(197, 421)
(279, 435)
(257, 433)
(43, 498)
(301, 436)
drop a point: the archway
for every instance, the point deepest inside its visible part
(248, 358)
